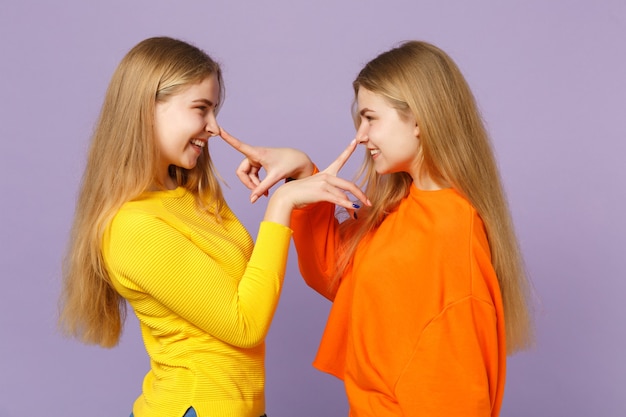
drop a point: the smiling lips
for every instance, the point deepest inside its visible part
(374, 152)
(198, 142)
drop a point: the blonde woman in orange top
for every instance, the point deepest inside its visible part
(427, 282)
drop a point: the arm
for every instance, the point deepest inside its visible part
(455, 369)
(304, 206)
(279, 163)
(148, 255)
(316, 239)
(458, 365)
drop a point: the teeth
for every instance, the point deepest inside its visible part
(198, 142)
(374, 151)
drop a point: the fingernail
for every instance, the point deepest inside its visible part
(356, 206)
(253, 198)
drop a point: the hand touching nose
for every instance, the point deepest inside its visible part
(323, 186)
(279, 163)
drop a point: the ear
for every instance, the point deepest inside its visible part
(417, 131)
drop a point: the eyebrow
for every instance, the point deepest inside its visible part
(365, 110)
(205, 101)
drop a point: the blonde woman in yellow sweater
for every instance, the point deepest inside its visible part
(152, 229)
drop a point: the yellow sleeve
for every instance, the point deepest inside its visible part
(148, 255)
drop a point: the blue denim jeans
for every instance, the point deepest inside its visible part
(190, 413)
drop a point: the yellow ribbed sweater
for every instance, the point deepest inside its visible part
(204, 296)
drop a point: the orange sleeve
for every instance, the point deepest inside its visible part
(316, 238)
(454, 368)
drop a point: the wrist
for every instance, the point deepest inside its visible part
(279, 208)
(306, 170)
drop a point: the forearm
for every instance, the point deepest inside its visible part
(281, 205)
(261, 284)
(279, 209)
(316, 240)
(144, 255)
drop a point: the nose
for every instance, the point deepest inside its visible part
(361, 134)
(212, 127)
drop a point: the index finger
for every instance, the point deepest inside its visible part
(240, 146)
(341, 160)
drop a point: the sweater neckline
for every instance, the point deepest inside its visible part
(419, 193)
(175, 193)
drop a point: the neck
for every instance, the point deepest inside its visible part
(165, 183)
(427, 183)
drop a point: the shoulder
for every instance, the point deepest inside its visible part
(129, 228)
(446, 213)
(151, 207)
(450, 226)
(143, 221)
(134, 215)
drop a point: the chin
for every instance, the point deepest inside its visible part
(190, 165)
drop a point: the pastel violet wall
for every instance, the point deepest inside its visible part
(550, 78)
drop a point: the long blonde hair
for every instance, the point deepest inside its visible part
(121, 165)
(420, 80)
